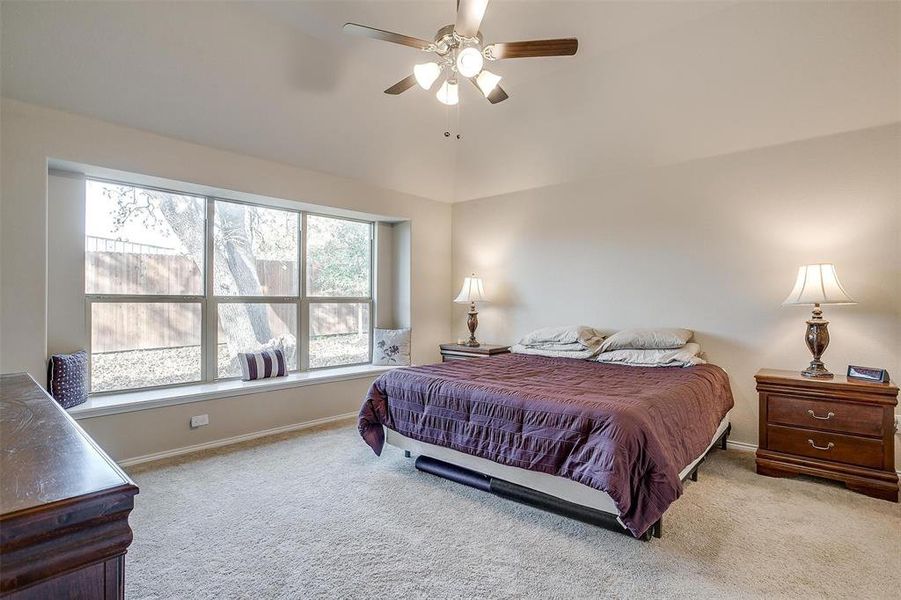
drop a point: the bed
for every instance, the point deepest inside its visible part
(608, 444)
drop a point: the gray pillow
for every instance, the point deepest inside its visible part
(686, 356)
(391, 347)
(67, 378)
(647, 339)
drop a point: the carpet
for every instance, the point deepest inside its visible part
(316, 514)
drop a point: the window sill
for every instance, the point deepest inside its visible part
(146, 399)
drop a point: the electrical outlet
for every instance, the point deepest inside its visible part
(898, 424)
(199, 421)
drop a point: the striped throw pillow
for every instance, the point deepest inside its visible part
(260, 365)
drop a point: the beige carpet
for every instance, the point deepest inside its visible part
(317, 515)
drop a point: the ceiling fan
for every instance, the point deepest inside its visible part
(461, 54)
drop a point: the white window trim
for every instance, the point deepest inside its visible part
(131, 401)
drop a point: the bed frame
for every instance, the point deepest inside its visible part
(537, 499)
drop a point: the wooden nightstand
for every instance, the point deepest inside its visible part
(463, 352)
(835, 428)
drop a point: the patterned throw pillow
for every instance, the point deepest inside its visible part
(263, 364)
(390, 347)
(67, 378)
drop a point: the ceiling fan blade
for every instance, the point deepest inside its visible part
(497, 94)
(533, 48)
(469, 17)
(386, 36)
(402, 86)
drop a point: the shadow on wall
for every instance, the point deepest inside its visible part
(721, 350)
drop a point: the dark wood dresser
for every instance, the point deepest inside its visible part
(64, 503)
(835, 428)
(463, 352)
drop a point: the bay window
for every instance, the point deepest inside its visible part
(177, 285)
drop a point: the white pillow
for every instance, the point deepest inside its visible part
(390, 347)
(572, 334)
(647, 339)
(685, 356)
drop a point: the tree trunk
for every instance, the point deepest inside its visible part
(241, 262)
(234, 270)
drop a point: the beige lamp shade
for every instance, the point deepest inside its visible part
(472, 291)
(818, 284)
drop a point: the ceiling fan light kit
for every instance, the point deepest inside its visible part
(469, 61)
(487, 81)
(448, 93)
(426, 74)
(461, 54)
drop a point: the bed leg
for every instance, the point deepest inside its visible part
(694, 474)
(657, 528)
(407, 454)
(725, 439)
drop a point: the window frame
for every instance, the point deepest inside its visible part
(209, 301)
(306, 301)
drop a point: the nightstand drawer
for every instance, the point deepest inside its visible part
(831, 416)
(826, 446)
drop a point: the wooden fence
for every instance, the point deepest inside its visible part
(139, 269)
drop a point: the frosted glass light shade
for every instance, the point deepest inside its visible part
(469, 62)
(472, 291)
(426, 74)
(487, 81)
(448, 93)
(818, 284)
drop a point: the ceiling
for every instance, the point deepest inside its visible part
(653, 83)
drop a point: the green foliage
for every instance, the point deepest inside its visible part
(338, 257)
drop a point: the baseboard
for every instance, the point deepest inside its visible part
(741, 446)
(137, 460)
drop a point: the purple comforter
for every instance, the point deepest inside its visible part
(628, 431)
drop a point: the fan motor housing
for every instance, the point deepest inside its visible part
(445, 38)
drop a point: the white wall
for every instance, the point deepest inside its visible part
(33, 135)
(712, 245)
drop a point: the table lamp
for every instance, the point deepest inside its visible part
(817, 284)
(472, 292)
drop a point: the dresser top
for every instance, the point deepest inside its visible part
(45, 457)
(838, 382)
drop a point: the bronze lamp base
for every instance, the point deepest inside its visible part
(472, 322)
(817, 339)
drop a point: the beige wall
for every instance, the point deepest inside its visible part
(33, 135)
(713, 245)
(137, 434)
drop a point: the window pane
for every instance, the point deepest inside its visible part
(141, 241)
(339, 333)
(338, 257)
(255, 251)
(144, 344)
(252, 327)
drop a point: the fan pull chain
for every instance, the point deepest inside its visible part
(446, 120)
(447, 127)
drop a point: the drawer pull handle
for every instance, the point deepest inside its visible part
(828, 416)
(828, 446)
